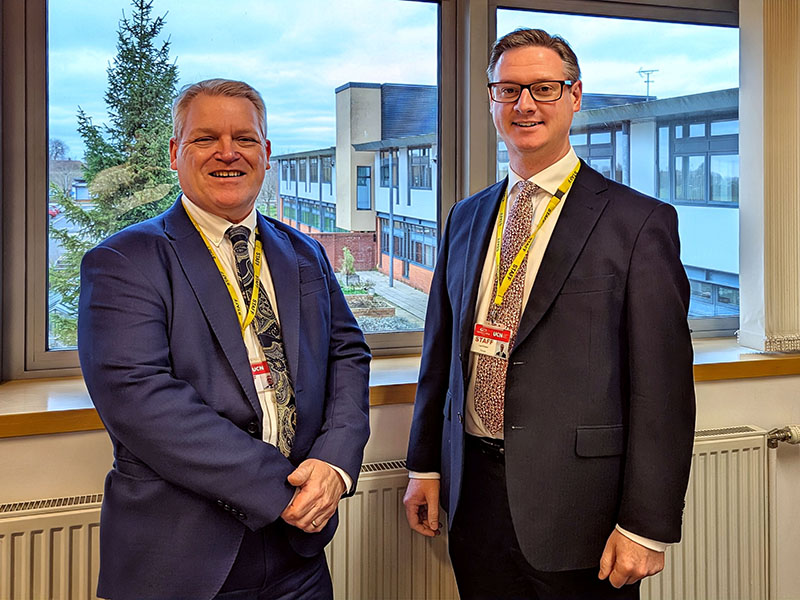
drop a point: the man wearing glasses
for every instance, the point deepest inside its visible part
(562, 467)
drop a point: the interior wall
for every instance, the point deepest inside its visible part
(76, 463)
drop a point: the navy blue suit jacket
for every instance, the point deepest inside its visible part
(599, 398)
(164, 361)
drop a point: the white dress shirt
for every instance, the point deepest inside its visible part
(548, 181)
(214, 228)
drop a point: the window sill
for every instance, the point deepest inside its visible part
(46, 406)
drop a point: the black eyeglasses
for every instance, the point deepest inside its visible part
(541, 91)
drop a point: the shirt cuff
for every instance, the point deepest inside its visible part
(643, 541)
(348, 483)
(418, 475)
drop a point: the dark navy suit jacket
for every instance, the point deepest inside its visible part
(164, 361)
(599, 398)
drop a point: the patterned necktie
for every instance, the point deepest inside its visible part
(269, 335)
(490, 380)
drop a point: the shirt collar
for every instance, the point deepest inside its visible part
(550, 178)
(213, 226)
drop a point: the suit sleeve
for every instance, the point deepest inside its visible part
(424, 446)
(345, 428)
(162, 421)
(662, 403)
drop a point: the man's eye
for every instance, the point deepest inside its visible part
(248, 140)
(203, 140)
(509, 90)
(545, 88)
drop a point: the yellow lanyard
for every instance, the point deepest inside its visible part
(244, 320)
(505, 283)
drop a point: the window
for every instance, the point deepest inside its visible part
(302, 173)
(314, 170)
(52, 96)
(420, 169)
(699, 168)
(389, 164)
(364, 192)
(674, 137)
(326, 169)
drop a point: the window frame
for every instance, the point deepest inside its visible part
(466, 155)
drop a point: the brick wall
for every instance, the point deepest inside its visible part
(362, 245)
(418, 277)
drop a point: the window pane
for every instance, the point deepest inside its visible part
(675, 117)
(307, 58)
(730, 127)
(725, 178)
(697, 130)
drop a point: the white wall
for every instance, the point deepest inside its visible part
(76, 463)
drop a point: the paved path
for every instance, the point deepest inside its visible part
(410, 299)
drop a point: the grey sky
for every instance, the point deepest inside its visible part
(296, 53)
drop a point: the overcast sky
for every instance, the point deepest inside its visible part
(296, 53)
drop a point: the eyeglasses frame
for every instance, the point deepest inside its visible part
(562, 82)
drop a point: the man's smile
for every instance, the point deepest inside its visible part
(527, 123)
(227, 173)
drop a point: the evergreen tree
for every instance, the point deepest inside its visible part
(127, 162)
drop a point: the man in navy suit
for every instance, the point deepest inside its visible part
(563, 467)
(231, 376)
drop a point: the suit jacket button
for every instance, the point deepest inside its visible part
(460, 418)
(252, 427)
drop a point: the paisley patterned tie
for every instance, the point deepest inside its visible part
(269, 335)
(490, 379)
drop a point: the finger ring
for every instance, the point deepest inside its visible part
(314, 523)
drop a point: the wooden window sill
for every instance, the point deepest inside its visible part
(62, 405)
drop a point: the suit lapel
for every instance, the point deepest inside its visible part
(285, 272)
(212, 295)
(581, 210)
(481, 228)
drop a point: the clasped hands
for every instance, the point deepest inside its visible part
(318, 489)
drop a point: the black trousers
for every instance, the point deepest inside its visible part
(486, 556)
(268, 568)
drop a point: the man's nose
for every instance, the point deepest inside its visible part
(226, 151)
(525, 102)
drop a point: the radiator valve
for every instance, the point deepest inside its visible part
(789, 434)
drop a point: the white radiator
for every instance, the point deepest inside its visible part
(723, 555)
(49, 548)
(375, 556)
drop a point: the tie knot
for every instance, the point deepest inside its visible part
(527, 188)
(238, 234)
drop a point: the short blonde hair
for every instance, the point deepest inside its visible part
(216, 87)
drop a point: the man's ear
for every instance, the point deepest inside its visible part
(268, 148)
(173, 154)
(576, 92)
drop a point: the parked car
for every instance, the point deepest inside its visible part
(53, 210)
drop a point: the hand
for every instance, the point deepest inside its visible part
(624, 561)
(318, 491)
(422, 506)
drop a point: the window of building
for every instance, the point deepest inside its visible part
(326, 169)
(389, 162)
(293, 170)
(420, 168)
(284, 170)
(302, 170)
(704, 165)
(313, 174)
(364, 188)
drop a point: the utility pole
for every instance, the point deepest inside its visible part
(645, 74)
